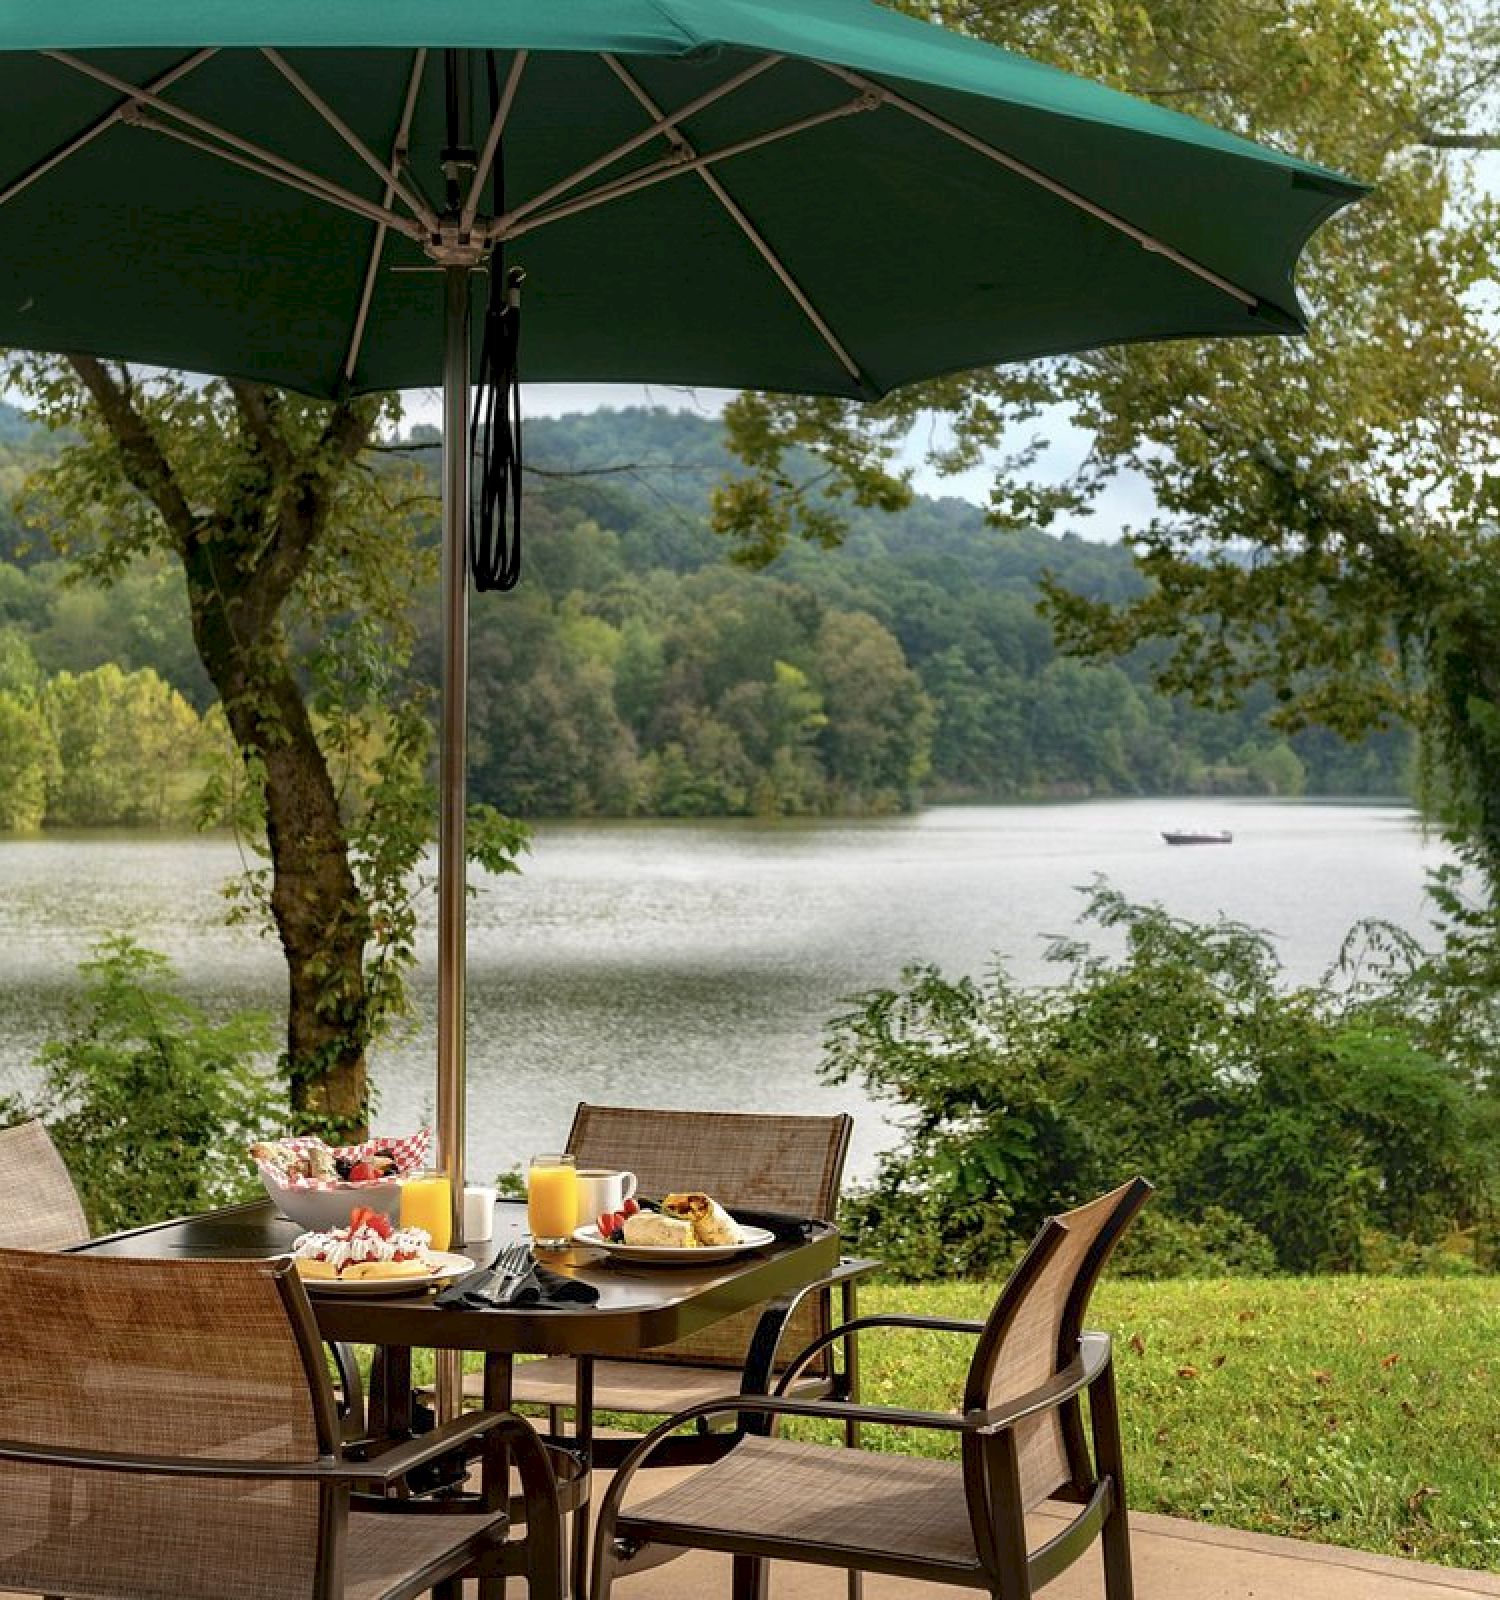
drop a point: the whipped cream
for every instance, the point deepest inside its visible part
(342, 1247)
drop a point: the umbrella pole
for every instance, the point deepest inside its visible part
(452, 799)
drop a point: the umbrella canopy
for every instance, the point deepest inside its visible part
(810, 195)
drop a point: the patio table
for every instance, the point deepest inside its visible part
(639, 1307)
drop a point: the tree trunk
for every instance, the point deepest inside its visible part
(319, 914)
(243, 561)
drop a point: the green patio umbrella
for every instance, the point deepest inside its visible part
(810, 195)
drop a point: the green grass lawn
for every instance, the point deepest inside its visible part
(1359, 1411)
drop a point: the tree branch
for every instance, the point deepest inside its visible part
(257, 413)
(145, 462)
(306, 501)
(1458, 141)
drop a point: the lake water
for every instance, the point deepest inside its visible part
(695, 964)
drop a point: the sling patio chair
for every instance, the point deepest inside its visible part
(40, 1210)
(39, 1207)
(167, 1432)
(754, 1162)
(1021, 1441)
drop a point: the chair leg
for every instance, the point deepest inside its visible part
(856, 1581)
(1114, 1536)
(751, 1578)
(448, 1589)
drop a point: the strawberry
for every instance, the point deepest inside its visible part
(630, 1208)
(364, 1172)
(604, 1222)
(358, 1217)
(378, 1222)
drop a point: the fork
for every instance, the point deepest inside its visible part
(491, 1283)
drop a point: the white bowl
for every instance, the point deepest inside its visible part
(319, 1210)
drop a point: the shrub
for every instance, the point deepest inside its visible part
(1284, 1128)
(151, 1102)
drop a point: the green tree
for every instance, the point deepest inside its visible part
(128, 747)
(28, 763)
(879, 729)
(300, 558)
(19, 673)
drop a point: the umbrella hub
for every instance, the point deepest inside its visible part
(455, 245)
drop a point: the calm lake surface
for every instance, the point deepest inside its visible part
(695, 964)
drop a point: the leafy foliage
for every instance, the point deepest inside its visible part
(1287, 1126)
(151, 1102)
(633, 673)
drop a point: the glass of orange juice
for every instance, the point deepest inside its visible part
(552, 1200)
(427, 1202)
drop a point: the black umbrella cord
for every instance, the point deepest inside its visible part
(495, 439)
(495, 432)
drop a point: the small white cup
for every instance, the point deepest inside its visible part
(600, 1190)
(479, 1211)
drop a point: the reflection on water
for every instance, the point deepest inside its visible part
(696, 963)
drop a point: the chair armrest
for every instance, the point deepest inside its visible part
(1094, 1356)
(390, 1466)
(809, 1353)
(385, 1469)
(760, 1358)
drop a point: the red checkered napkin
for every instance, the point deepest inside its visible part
(410, 1152)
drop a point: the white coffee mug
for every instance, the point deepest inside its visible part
(600, 1190)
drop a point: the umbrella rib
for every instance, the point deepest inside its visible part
(1147, 241)
(303, 183)
(399, 150)
(663, 125)
(492, 143)
(748, 228)
(255, 158)
(415, 203)
(676, 164)
(117, 114)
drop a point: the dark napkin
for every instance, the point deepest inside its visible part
(542, 1287)
(540, 1290)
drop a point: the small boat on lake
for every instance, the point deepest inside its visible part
(1198, 836)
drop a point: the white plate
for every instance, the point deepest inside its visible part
(446, 1265)
(754, 1239)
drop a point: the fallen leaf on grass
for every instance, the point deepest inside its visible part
(1324, 1378)
(1390, 1361)
(1416, 1501)
(1187, 1372)
(1138, 1344)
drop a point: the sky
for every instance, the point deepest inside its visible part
(1126, 503)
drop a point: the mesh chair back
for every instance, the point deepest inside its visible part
(1032, 1334)
(39, 1207)
(753, 1161)
(158, 1358)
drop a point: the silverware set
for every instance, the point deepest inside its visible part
(492, 1285)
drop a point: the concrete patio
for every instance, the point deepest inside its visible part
(1174, 1560)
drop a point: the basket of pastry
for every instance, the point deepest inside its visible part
(687, 1228)
(372, 1256)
